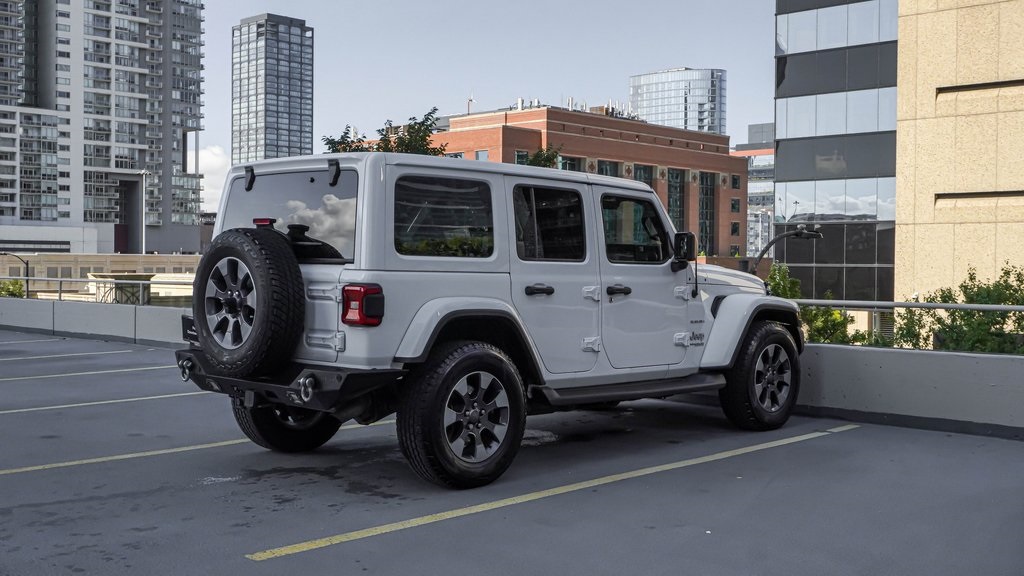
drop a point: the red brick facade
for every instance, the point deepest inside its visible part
(592, 137)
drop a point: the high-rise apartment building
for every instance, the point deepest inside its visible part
(271, 88)
(835, 153)
(99, 104)
(686, 98)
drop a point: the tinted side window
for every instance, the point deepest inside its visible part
(633, 233)
(437, 216)
(549, 224)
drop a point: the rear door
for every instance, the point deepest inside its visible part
(554, 271)
(325, 203)
(644, 306)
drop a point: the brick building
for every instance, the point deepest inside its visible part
(703, 187)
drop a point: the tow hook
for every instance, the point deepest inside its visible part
(306, 387)
(186, 369)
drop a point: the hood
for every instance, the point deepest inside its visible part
(716, 275)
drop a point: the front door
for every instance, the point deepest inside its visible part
(554, 269)
(645, 304)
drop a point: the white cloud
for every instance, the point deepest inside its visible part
(213, 164)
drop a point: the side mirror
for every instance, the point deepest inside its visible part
(685, 247)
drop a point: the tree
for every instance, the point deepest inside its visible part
(823, 323)
(969, 330)
(962, 330)
(347, 142)
(546, 157)
(411, 138)
(11, 289)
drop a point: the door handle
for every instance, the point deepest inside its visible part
(619, 289)
(540, 289)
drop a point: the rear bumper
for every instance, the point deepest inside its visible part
(326, 389)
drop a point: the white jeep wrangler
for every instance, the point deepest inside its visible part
(464, 295)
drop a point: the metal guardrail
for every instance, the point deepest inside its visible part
(872, 306)
(883, 321)
(107, 283)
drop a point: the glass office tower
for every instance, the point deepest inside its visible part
(685, 98)
(835, 155)
(271, 88)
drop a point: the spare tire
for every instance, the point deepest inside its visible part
(248, 302)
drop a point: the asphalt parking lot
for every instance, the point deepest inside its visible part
(109, 464)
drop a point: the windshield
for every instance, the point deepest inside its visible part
(299, 198)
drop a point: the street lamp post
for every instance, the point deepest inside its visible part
(23, 261)
(142, 231)
(800, 232)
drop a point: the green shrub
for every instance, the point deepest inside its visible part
(969, 330)
(11, 289)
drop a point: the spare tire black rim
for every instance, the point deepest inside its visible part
(230, 303)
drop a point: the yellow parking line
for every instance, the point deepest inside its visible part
(120, 457)
(42, 376)
(30, 341)
(101, 402)
(522, 499)
(66, 355)
(149, 453)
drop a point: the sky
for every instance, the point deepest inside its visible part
(393, 59)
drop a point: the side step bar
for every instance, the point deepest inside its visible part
(631, 390)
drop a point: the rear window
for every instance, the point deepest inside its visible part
(443, 217)
(299, 198)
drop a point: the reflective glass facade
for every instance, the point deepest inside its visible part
(835, 117)
(271, 88)
(681, 98)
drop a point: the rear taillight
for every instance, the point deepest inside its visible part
(362, 304)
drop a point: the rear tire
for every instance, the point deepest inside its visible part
(286, 429)
(461, 419)
(762, 386)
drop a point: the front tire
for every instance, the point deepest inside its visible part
(462, 418)
(286, 429)
(762, 386)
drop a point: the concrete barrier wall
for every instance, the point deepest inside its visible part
(107, 321)
(159, 325)
(27, 314)
(985, 389)
(141, 324)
